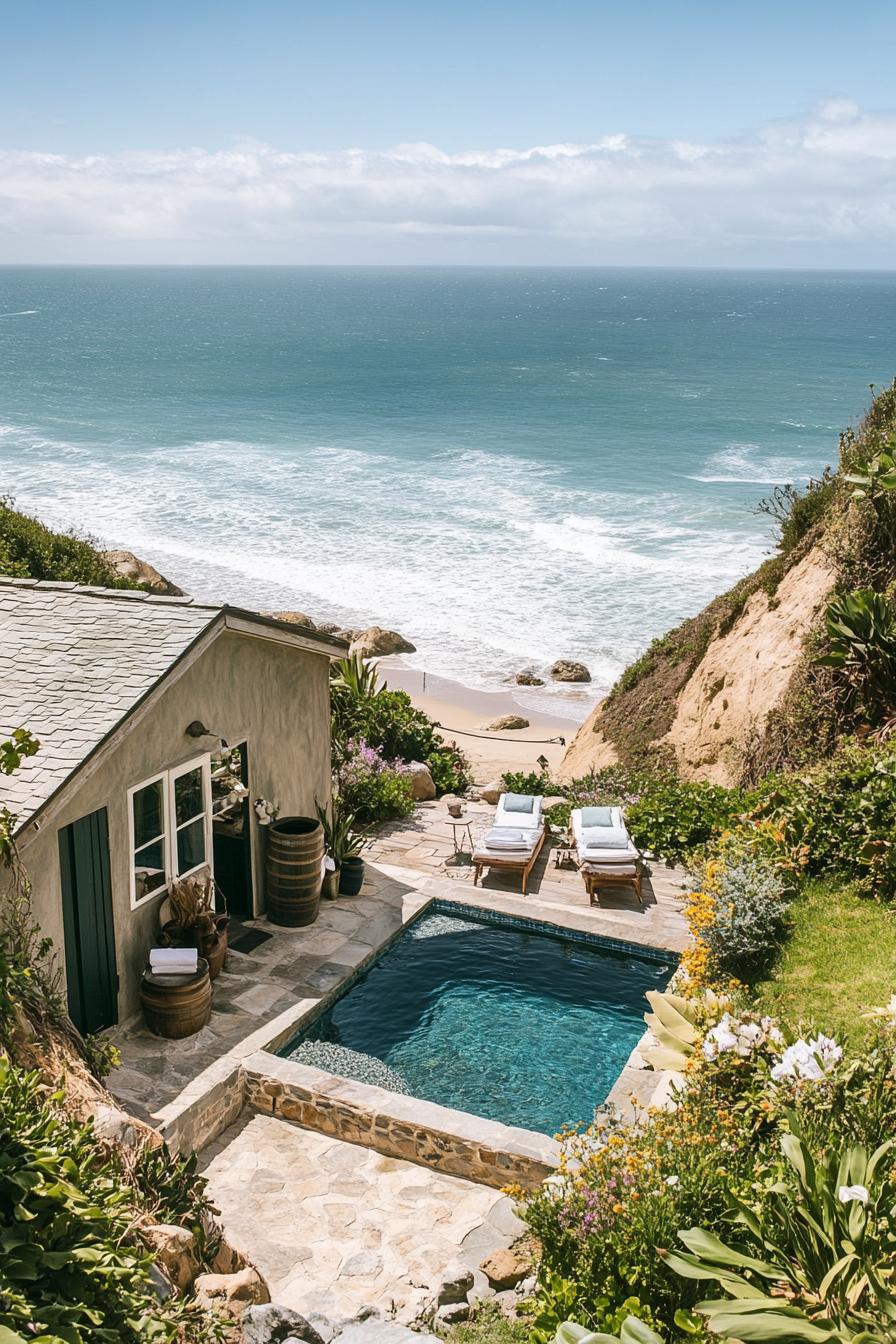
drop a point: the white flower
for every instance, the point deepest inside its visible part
(808, 1061)
(721, 1037)
(672, 1180)
(827, 1049)
(847, 1193)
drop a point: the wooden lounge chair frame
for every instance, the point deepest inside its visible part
(595, 880)
(508, 863)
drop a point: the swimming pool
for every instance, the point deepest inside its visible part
(499, 1017)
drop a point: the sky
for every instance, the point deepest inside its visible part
(758, 134)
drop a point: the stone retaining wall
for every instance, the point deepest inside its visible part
(397, 1125)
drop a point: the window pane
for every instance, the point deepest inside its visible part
(148, 812)
(149, 868)
(188, 800)
(191, 845)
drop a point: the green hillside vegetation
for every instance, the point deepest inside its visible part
(851, 514)
(30, 550)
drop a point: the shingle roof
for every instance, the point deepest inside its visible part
(74, 661)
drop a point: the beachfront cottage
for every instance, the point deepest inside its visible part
(160, 722)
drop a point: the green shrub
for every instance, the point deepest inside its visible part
(371, 787)
(675, 818)
(536, 782)
(841, 814)
(558, 815)
(70, 1269)
(797, 512)
(389, 722)
(28, 549)
(751, 902)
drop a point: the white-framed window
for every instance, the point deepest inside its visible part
(170, 819)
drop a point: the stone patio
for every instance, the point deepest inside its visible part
(420, 852)
(335, 1227)
(409, 864)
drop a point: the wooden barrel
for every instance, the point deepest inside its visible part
(295, 852)
(175, 1006)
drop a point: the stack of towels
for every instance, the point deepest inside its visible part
(502, 837)
(173, 960)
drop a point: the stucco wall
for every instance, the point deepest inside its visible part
(274, 697)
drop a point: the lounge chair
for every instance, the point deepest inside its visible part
(515, 840)
(607, 855)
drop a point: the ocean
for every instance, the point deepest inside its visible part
(507, 465)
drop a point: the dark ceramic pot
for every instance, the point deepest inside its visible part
(351, 877)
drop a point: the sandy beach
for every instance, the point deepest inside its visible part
(461, 713)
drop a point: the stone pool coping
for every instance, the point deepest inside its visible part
(252, 1075)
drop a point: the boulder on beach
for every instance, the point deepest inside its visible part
(567, 669)
(375, 642)
(491, 792)
(129, 566)
(527, 678)
(506, 723)
(292, 618)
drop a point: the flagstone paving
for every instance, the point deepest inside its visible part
(335, 1227)
(409, 863)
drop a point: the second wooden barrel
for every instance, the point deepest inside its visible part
(295, 853)
(175, 1006)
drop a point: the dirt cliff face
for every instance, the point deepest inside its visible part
(745, 673)
(707, 714)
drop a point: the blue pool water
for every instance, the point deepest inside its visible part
(497, 1020)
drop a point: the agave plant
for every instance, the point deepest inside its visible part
(861, 631)
(821, 1253)
(342, 838)
(675, 1024)
(355, 677)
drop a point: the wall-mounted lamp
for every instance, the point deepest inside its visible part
(198, 729)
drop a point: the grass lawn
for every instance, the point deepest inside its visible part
(840, 961)
(488, 1325)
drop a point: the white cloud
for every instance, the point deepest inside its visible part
(828, 178)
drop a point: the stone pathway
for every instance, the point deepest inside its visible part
(335, 1227)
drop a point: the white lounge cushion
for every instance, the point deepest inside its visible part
(517, 821)
(605, 837)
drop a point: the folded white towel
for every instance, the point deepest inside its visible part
(174, 960)
(502, 838)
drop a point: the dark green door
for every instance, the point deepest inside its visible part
(87, 915)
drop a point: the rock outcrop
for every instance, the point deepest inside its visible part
(567, 669)
(375, 642)
(507, 723)
(129, 566)
(724, 702)
(293, 618)
(527, 678)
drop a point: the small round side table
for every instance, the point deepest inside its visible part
(458, 826)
